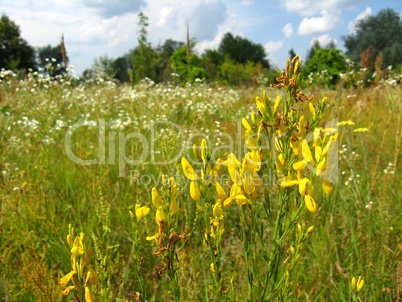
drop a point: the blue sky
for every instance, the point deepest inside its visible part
(93, 28)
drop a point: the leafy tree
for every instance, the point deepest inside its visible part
(376, 34)
(15, 52)
(243, 50)
(187, 71)
(325, 66)
(121, 68)
(169, 47)
(211, 61)
(102, 67)
(45, 56)
(143, 55)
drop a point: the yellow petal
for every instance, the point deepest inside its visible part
(300, 165)
(310, 203)
(302, 123)
(195, 191)
(70, 240)
(317, 153)
(174, 207)
(327, 187)
(64, 281)
(312, 109)
(67, 290)
(160, 215)
(156, 199)
(246, 124)
(78, 248)
(248, 184)
(188, 170)
(217, 211)
(321, 167)
(89, 297)
(196, 152)
(306, 152)
(277, 103)
(303, 186)
(220, 191)
(228, 201)
(241, 199)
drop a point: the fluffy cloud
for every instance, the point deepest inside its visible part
(312, 7)
(316, 25)
(288, 30)
(272, 47)
(169, 18)
(352, 25)
(111, 8)
(324, 40)
(112, 31)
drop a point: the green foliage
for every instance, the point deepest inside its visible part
(325, 66)
(103, 67)
(187, 71)
(15, 52)
(45, 56)
(143, 56)
(376, 34)
(243, 50)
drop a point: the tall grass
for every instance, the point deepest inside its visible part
(357, 229)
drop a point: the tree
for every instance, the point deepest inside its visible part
(45, 56)
(376, 34)
(187, 71)
(15, 52)
(243, 50)
(143, 55)
(325, 66)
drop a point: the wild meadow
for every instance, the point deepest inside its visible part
(200, 192)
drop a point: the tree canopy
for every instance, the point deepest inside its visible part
(243, 50)
(377, 34)
(15, 52)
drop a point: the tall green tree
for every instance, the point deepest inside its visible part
(45, 56)
(143, 55)
(243, 50)
(376, 34)
(15, 52)
(325, 66)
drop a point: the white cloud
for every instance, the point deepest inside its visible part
(112, 31)
(288, 30)
(169, 19)
(245, 2)
(272, 47)
(324, 40)
(311, 7)
(316, 25)
(352, 25)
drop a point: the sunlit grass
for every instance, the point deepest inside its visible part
(357, 229)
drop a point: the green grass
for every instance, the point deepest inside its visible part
(357, 228)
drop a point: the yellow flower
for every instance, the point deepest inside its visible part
(188, 170)
(195, 191)
(277, 103)
(64, 281)
(310, 203)
(67, 290)
(156, 199)
(78, 248)
(357, 285)
(326, 186)
(246, 124)
(92, 277)
(347, 123)
(141, 212)
(89, 297)
(217, 211)
(361, 130)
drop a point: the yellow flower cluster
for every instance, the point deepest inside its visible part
(81, 267)
(358, 284)
(167, 203)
